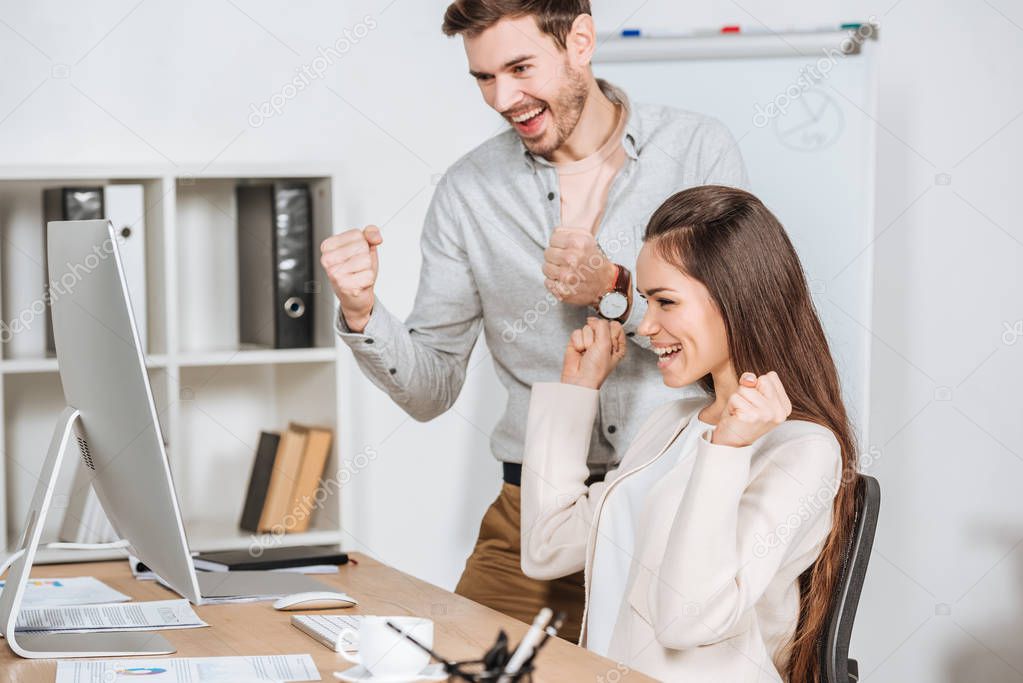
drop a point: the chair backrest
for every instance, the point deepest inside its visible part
(835, 647)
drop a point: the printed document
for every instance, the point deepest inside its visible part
(190, 670)
(133, 616)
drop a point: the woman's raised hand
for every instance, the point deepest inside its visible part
(757, 406)
(593, 352)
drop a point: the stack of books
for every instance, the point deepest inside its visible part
(286, 477)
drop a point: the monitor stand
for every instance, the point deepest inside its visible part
(52, 645)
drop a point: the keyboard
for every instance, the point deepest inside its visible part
(327, 629)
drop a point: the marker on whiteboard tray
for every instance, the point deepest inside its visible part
(644, 33)
(767, 30)
(738, 29)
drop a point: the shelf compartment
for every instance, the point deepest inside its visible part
(32, 404)
(223, 409)
(207, 275)
(22, 268)
(191, 369)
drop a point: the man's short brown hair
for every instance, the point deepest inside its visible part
(554, 17)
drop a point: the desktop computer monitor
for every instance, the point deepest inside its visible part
(103, 373)
(111, 423)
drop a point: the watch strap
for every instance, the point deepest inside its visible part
(622, 278)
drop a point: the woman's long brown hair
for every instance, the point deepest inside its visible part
(728, 240)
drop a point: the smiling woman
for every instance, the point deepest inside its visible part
(673, 540)
(727, 244)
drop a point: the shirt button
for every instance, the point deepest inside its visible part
(612, 429)
(393, 371)
(369, 341)
(630, 334)
(551, 196)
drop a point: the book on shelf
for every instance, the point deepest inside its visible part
(276, 275)
(285, 478)
(314, 461)
(259, 480)
(124, 206)
(282, 480)
(65, 204)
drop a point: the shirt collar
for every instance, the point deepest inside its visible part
(631, 139)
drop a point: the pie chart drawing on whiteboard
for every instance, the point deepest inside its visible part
(813, 122)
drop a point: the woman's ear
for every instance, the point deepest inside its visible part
(582, 40)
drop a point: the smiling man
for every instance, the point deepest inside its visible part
(527, 235)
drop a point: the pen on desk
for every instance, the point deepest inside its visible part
(553, 629)
(528, 644)
(549, 632)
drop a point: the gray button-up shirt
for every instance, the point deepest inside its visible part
(483, 245)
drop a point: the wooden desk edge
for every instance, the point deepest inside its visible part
(464, 629)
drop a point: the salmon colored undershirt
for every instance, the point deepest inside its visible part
(585, 183)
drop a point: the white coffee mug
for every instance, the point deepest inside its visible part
(384, 652)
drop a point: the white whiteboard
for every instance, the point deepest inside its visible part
(813, 165)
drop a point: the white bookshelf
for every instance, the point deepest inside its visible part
(213, 396)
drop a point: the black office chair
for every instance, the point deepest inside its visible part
(835, 662)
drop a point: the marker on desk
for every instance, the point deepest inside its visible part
(550, 632)
(528, 644)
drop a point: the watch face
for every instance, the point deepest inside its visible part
(613, 305)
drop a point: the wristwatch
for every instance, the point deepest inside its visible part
(614, 305)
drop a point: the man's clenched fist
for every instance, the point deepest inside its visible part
(575, 269)
(350, 259)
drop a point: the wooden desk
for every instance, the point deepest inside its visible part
(463, 629)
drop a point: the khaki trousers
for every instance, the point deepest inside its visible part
(493, 575)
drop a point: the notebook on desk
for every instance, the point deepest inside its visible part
(270, 558)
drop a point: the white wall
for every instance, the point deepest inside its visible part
(174, 82)
(946, 584)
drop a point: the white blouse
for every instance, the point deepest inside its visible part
(727, 531)
(616, 538)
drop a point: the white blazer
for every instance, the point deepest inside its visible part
(713, 590)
